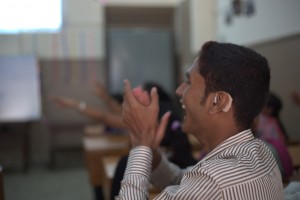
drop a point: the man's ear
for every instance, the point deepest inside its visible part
(220, 102)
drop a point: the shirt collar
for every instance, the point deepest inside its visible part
(240, 137)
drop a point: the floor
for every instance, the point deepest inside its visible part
(68, 181)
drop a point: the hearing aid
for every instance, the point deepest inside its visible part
(228, 106)
(215, 100)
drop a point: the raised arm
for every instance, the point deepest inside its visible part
(140, 114)
(112, 104)
(103, 116)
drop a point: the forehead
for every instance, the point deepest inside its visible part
(194, 68)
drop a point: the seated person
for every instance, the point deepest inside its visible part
(175, 144)
(226, 88)
(110, 116)
(267, 128)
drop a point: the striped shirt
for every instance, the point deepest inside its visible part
(241, 167)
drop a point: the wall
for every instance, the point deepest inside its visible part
(273, 31)
(284, 60)
(81, 42)
(202, 23)
(272, 19)
(194, 25)
(141, 3)
(81, 36)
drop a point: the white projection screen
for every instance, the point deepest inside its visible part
(20, 98)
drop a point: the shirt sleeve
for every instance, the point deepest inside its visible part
(195, 184)
(171, 173)
(136, 181)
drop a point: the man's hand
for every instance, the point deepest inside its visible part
(140, 114)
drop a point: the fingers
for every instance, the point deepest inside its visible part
(128, 95)
(142, 96)
(161, 128)
(154, 97)
(137, 92)
(136, 95)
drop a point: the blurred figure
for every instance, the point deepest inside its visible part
(175, 144)
(110, 116)
(269, 128)
(271, 114)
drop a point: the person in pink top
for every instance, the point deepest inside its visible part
(269, 128)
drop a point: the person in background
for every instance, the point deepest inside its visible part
(174, 145)
(226, 88)
(110, 115)
(268, 127)
(273, 108)
(292, 190)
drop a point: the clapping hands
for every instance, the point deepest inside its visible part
(140, 114)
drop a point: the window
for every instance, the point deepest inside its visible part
(30, 16)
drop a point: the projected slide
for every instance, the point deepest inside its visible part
(19, 89)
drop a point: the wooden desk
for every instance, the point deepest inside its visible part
(98, 146)
(16, 135)
(294, 150)
(110, 164)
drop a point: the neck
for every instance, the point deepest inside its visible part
(218, 133)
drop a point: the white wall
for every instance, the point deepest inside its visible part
(202, 23)
(284, 61)
(273, 31)
(273, 19)
(141, 2)
(82, 36)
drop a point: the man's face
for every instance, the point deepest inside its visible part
(192, 94)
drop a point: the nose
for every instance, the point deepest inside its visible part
(179, 90)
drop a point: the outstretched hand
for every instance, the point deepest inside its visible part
(140, 114)
(64, 101)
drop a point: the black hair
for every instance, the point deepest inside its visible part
(163, 95)
(275, 104)
(241, 72)
(118, 97)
